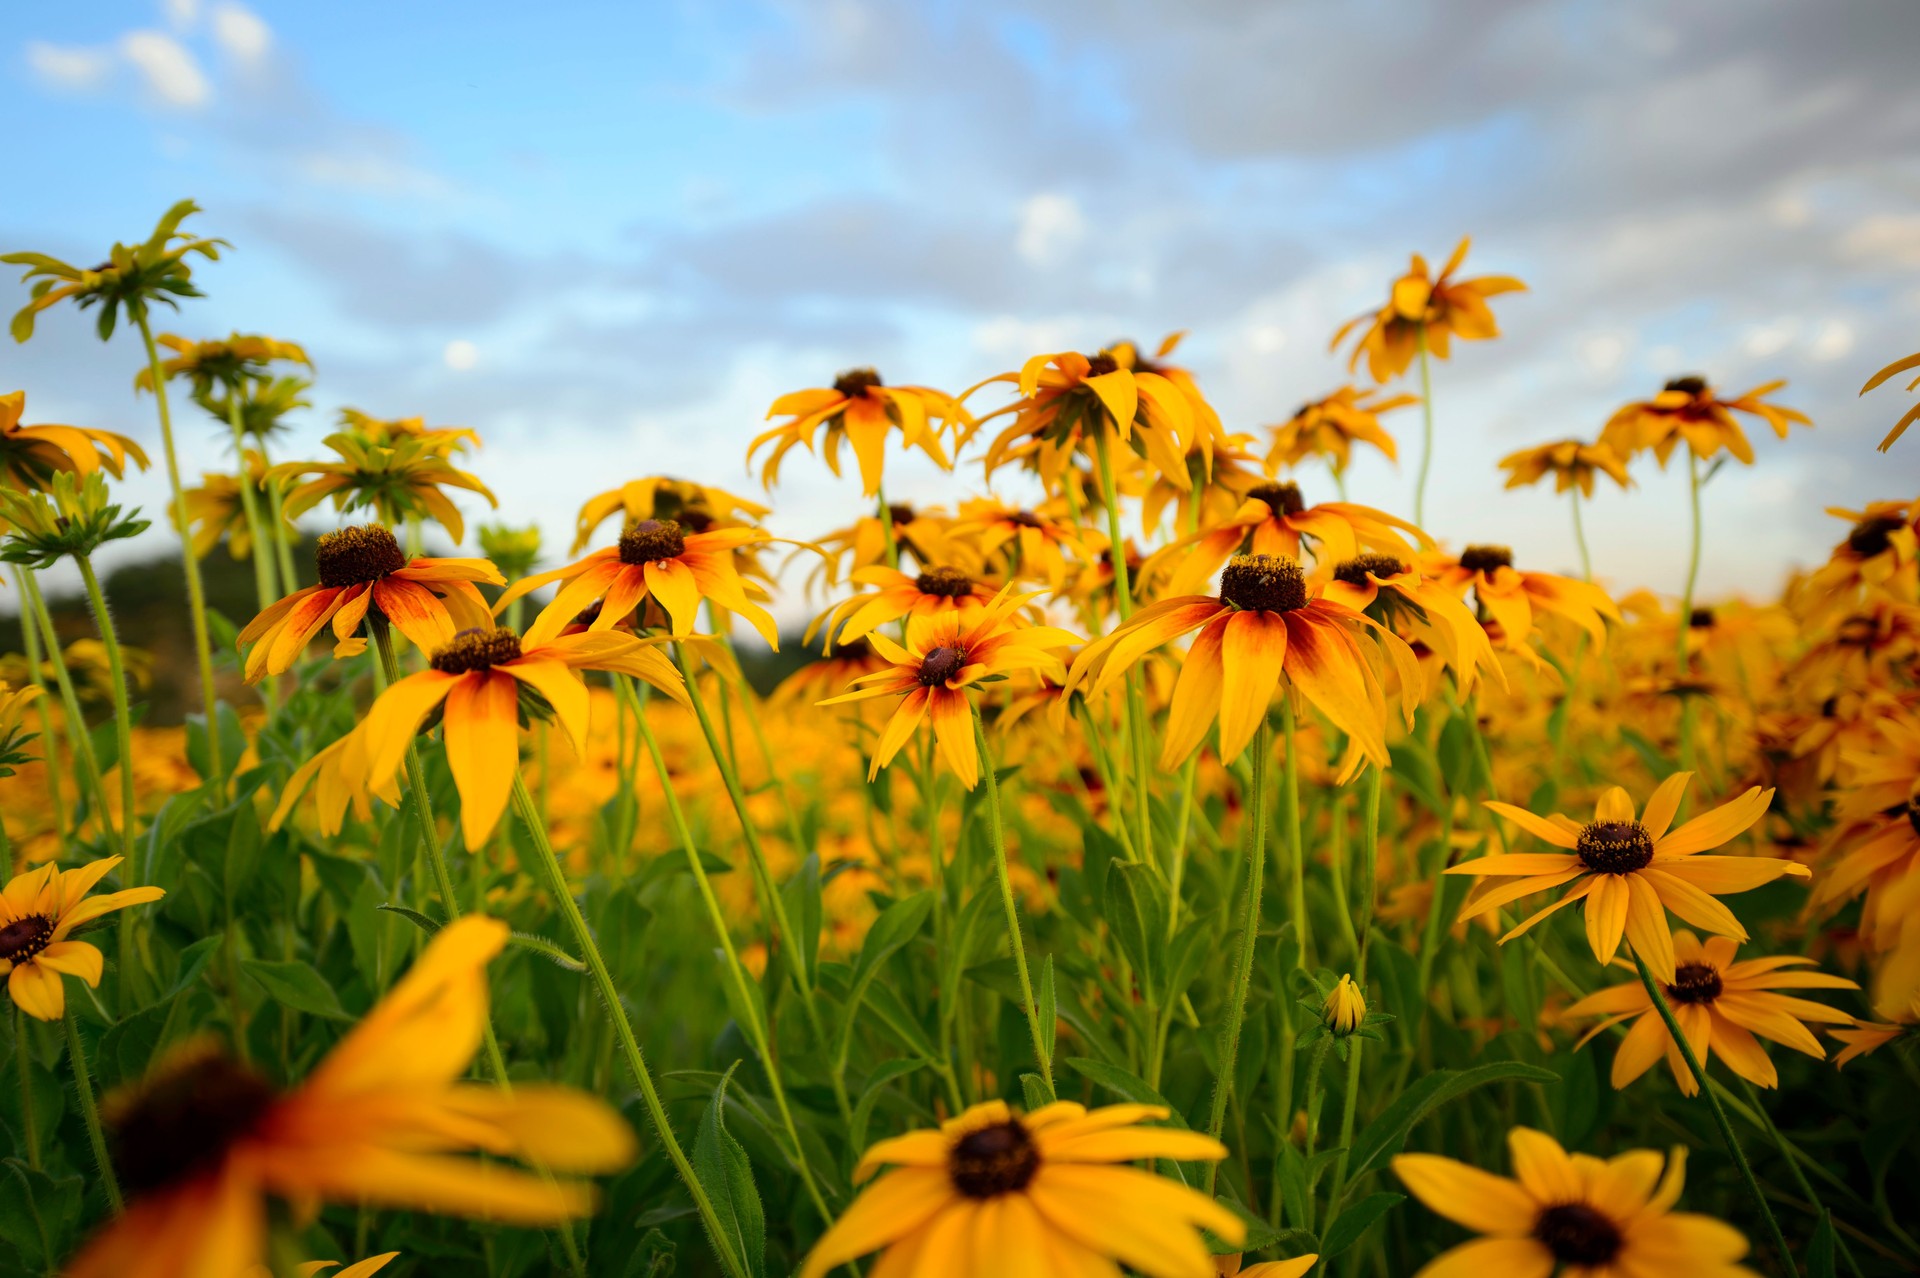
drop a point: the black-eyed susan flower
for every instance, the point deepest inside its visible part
(1046, 1193)
(1904, 364)
(1208, 433)
(1400, 596)
(399, 480)
(1573, 463)
(696, 507)
(1689, 409)
(221, 362)
(204, 1142)
(132, 279)
(1571, 1214)
(1070, 404)
(1329, 428)
(443, 441)
(1439, 306)
(1274, 519)
(927, 593)
(860, 410)
(38, 912)
(314, 1268)
(216, 511)
(1724, 1008)
(1874, 849)
(1631, 870)
(1265, 630)
(363, 568)
(72, 517)
(1512, 598)
(1030, 543)
(917, 534)
(14, 737)
(657, 559)
(1880, 555)
(30, 456)
(482, 683)
(947, 653)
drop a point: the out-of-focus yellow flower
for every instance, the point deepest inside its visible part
(1397, 594)
(30, 456)
(14, 738)
(1511, 597)
(132, 279)
(696, 507)
(1688, 409)
(441, 440)
(1275, 519)
(1572, 463)
(1032, 543)
(220, 361)
(861, 410)
(1912, 415)
(1329, 428)
(215, 509)
(398, 480)
(1440, 306)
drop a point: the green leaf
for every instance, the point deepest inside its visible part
(804, 911)
(897, 925)
(1352, 1224)
(1049, 1009)
(1820, 1248)
(425, 922)
(724, 1172)
(876, 1088)
(39, 1219)
(1130, 1086)
(297, 985)
(1385, 1134)
(1136, 911)
(885, 1003)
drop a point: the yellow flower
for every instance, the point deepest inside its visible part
(1721, 1006)
(30, 456)
(203, 1141)
(221, 361)
(991, 1192)
(1034, 541)
(1441, 307)
(1912, 415)
(1068, 402)
(1572, 463)
(1630, 871)
(1346, 1008)
(861, 410)
(441, 440)
(934, 590)
(398, 480)
(14, 740)
(1399, 595)
(1512, 598)
(133, 277)
(1329, 428)
(313, 1268)
(1689, 409)
(215, 509)
(38, 910)
(696, 507)
(1572, 1214)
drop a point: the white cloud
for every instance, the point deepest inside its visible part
(68, 66)
(1886, 237)
(181, 14)
(241, 32)
(461, 355)
(1834, 341)
(1265, 339)
(366, 171)
(170, 71)
(1049, 226)
(1603, 352)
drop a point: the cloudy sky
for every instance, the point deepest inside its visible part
(607, 234)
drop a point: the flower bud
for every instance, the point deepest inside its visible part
(1345, 1008)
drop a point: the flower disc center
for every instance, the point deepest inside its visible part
(1615, 847)
(1486, 558)
(1871, 537)
(1577, 1234)
(1263, 583)
(25, 937)
(940, 665)
(1355, 571)
(473, 650)
(355, 556)
(651, 540)
(994, 1160)
(856, 382)
(947, 583)
(183, 1123)
(1284, 499)
(1694, 983)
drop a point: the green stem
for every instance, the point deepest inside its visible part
(1133, 722)
(1580, 537)
(1296, 850)
(122, 714)
(1789, 1153)
(23, 1059)
(90, 1112)
(745, 998)
(89, 763)
(277, 529)
(999, 837)
(30, 642)
(622, 1025)
(1256, 816)
(1684, 624)
(196, 590)
(1426, 429)
(262, 550)
(1732, 1142)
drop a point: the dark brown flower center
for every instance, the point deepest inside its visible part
(1263, 583)
(25, 937)
(1577, 1234)
(994, 1160)
(1694, 983)
(1913, 808)
(947, 583)
(940, 665)
(1102, 364)
(1700, 619)
(853, 650)
(856, 382)
(1874, 536)
(1692, 384)
(1285, 499)
(353, 556)
(900, 513)
(1354, 571)
(695, 519)
(1025, 519)
(1614, 847)
(473, 650)
(1486, 558)
(181, 1124)
(649, 540)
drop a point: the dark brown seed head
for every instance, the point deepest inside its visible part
(1700, 619)
(1486, 558)
(1694, 983)
(1102, 364)
(940, 665)
(1614, 847)
(1874, 536)
(1354, 571)
(695, 519)
(1285, 499)
(1913, 807)
(994, 1160)
(1025, 519)
(947, 583)
(1263, 583)
(477, 650)
(182, 1123)
(650, 540)
(1692, 384)
(1577, 1234)
(25, 937)
(353, 556)
(900, 513)
(856, 382)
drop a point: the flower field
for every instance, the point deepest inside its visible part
(1179, 870)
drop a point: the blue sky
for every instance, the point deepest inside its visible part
(607, 235)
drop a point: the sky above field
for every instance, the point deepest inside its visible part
(608, 234)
